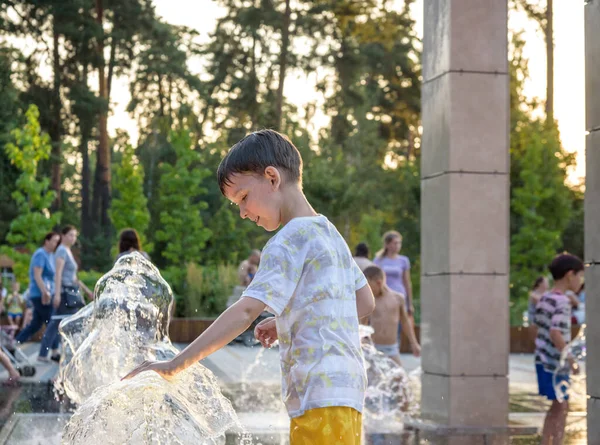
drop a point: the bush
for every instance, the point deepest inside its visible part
(207, 289)
(90, 278)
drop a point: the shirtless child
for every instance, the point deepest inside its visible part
(390, 309)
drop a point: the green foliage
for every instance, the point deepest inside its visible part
(227, 244)
(129, 206)
(541, 192)
(207, 289)
(90, 278)
(572, 237)
(32, 195)
(181, 227)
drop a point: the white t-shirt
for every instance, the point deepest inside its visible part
(308, 279)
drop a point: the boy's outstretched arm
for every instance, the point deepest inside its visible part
(231, 323)
(365, 302)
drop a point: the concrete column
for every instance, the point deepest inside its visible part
(465, 215)
(592, 215)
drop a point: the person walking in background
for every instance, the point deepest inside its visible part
(41, 286)
(67, 298)
(361, 256)
(129, 241)
(248, 268)
(397, 271)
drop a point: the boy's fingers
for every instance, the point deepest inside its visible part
(136, 371)
(128, 376)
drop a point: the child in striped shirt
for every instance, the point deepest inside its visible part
(553, 320)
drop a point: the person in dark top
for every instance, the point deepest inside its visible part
(129, 241)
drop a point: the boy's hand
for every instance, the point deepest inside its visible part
(266, 332)
(416, 350)
(164, 369)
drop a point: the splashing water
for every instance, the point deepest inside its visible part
(389, 394)
(127, 324)
(572, 358)
(253, 393)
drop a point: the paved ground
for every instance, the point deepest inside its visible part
(235, 364)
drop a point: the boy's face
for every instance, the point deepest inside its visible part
(257, 196)
(575, 280)
(376, 286)
(15, 286)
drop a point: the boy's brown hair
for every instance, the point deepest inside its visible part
(374, 273)
(256, 152)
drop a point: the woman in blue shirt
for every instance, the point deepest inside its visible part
(41, 286)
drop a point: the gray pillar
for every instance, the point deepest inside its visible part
(465, 214)
(592, 215)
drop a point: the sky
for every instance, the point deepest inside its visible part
(569, 67)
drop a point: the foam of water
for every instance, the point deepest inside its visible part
(389, 396)
(127, 324)
(577, 351)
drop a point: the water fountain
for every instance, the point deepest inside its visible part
(127, 324)
(390, 395)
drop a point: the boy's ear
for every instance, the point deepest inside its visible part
(273, 176)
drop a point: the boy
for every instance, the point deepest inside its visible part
(307, 278)
(390, 309)
(553, 319)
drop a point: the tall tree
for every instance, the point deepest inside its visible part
(102, 195)
(283, 61)
(544, 16)
(9, 119)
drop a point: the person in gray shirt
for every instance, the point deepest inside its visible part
(67, 299)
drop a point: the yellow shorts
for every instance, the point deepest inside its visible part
(335, 425)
